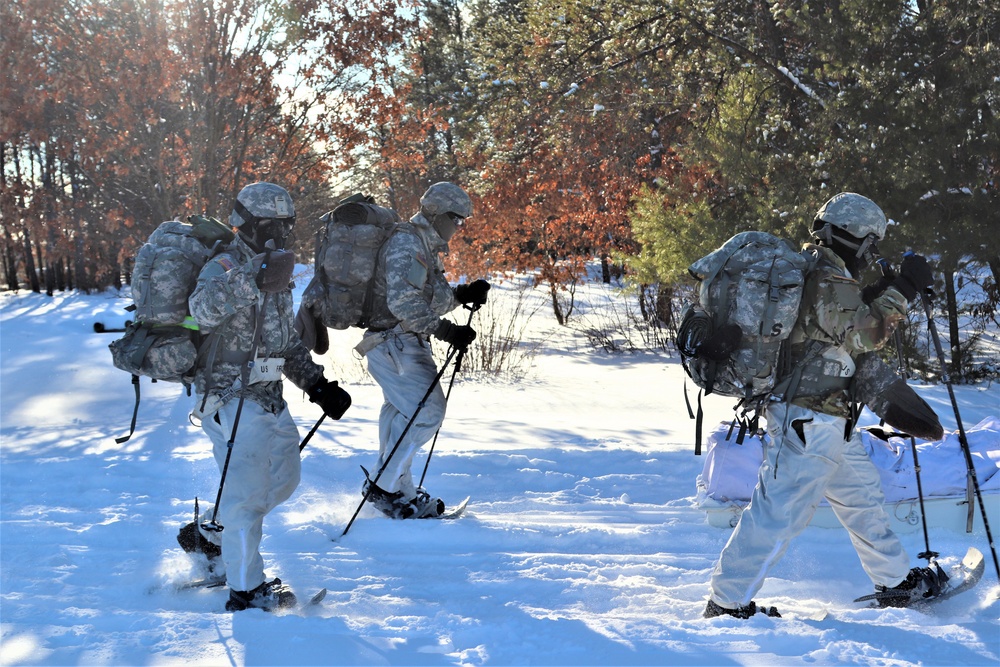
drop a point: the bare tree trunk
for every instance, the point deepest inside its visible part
(953, 332)
(665, 306)
(29, 264)
(556, 306)
(80, 265)
(643, 309)
(10, 264)
(50, 279)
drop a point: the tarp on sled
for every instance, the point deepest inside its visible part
(730, 470)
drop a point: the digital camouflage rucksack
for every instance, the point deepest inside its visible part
(347, 246)
(749, 292)
(162, 342)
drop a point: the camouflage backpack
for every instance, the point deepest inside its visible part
(347, 245)
(162, 343)
(754, 281)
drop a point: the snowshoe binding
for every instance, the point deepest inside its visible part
(713, 610)
(269, 596)
(388, 503)
(392, 504)
(193, 542)
(426, 507)
(921, 583)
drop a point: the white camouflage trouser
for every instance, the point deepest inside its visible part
(825, 466)
(263, 472)
(404, 368)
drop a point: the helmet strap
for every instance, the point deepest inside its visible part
(823, 234)
(248, 232)
(244, 212)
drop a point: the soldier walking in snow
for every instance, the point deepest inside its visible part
(411, 294)
(243, 298)
(815, 452)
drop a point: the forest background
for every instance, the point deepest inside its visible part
(640, 134)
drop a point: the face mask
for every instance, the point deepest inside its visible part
(447, 224)
(277, 230)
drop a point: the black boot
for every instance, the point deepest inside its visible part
(712, 610)
(389, 503)
(268, 596)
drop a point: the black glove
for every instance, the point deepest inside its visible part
(722, 343)
(914, 277)
(458, 335)
(474, 294)
(311, 329)
(274, 270)
(329, 396)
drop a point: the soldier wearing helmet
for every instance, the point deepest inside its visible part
(814, 451)
(411, 296)
(243, 306)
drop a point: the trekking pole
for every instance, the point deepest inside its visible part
(420, 405)
(928, 555)
(305, 440)
(213, 525)
(447, 395)
(962, 440)
(100, 328)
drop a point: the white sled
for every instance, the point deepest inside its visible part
(942, 512)
(730, 474)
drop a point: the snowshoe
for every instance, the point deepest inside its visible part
(712, 610)
(268, 596)
(193, 542)
(927, 586)
(391, 503)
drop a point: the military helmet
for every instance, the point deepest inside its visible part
(446, 197)
(262, 201)
(856, 215)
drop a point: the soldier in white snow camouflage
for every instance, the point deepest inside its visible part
(814, 452)
(411, 294)
(243, 297)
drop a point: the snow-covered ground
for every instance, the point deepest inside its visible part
(583, 543)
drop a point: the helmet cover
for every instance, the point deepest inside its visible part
(852, 213)
(446, 197)
(261, 201)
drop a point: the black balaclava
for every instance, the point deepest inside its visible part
(257, 233)
(846, 247)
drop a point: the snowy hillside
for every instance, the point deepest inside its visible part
(583, 543)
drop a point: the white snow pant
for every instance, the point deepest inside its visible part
(794, 477)
(263, 472)
(404, 368)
